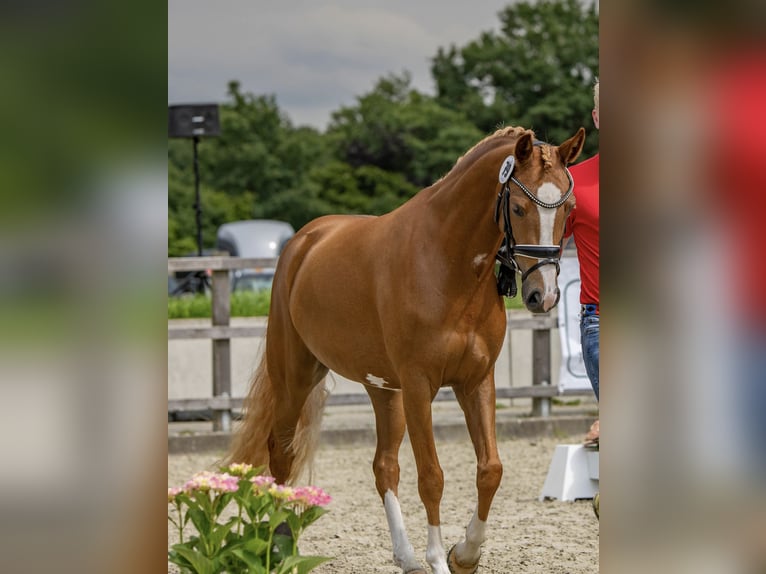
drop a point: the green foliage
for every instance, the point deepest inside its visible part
(243, 304)
(247, 542)
(537, 72)
(400, 130)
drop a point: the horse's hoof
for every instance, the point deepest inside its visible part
(456, 568)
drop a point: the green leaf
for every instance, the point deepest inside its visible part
(200, 520)
(277, 517)
(256, 546)
(218, 534)
(284, 546)
(197, 562)
(312, 515)
(254, 563)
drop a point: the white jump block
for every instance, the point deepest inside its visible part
(572, 475)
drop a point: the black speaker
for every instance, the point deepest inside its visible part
(193, 120)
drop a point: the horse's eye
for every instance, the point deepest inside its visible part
(518, 211)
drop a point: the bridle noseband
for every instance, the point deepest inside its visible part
(509, 250)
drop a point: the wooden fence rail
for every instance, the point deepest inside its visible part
(221, 332)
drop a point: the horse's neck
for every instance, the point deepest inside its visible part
(461, 211)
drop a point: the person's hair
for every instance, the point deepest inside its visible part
(595, 94)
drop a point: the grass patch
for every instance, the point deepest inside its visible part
(514, 303)
(247, 304)
(243, 304)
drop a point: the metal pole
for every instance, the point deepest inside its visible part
(197, 203)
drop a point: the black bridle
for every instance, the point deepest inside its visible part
(509, 249)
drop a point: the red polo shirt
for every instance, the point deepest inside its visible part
(583, 224)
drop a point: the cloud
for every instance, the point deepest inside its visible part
(314, 57)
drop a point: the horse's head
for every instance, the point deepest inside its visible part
(535, 199)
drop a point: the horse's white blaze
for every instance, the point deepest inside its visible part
(548, 193)
(478, 260)
(469, 550)
(404, 554)
(436, 555)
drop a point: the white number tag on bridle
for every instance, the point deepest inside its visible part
(507, 168)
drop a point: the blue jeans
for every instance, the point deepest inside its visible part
(751, 359)
(589, 340)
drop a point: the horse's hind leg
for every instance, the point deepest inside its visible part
(479, 410)
(298, 401)
(390, 425)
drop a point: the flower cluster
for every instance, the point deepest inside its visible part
(217, 482)
(172, 493)
(249, 539)
(311, 496)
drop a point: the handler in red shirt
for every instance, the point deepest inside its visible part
(583, 225)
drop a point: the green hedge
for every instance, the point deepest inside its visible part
(243, 304)
(246, 304)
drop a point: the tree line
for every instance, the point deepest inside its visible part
(537, 71)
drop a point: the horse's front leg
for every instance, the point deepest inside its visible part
(389, 424)
(417, 396)
(479, 410)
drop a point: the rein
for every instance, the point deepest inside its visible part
(509, 250)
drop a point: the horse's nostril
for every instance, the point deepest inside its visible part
(534, 299)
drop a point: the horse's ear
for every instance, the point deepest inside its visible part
(524, 147)
(570, 149)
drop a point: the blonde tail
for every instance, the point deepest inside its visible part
(251, 441)
(306, 439)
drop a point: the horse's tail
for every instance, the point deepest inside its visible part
(306, 439)
(251, 442)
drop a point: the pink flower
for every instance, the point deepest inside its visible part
(206, 480)
(311, 495)
(200, 481)
(172, 493)
(262, 483)
(224, 482)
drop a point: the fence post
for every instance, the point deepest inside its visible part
(541, 369)
(221, 348)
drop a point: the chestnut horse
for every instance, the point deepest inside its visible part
(404, 304)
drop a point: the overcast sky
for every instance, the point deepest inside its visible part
(315, 56)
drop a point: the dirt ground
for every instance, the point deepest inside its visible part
(523, 534)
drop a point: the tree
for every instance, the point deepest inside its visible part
(399, 130)
(247, 172)
(537, 72)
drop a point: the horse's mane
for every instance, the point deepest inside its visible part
(500, 136)
(512, 132)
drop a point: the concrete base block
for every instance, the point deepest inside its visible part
(572, 475)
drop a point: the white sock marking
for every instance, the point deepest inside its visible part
(404, 554)
(436, 555)
(469, 550)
